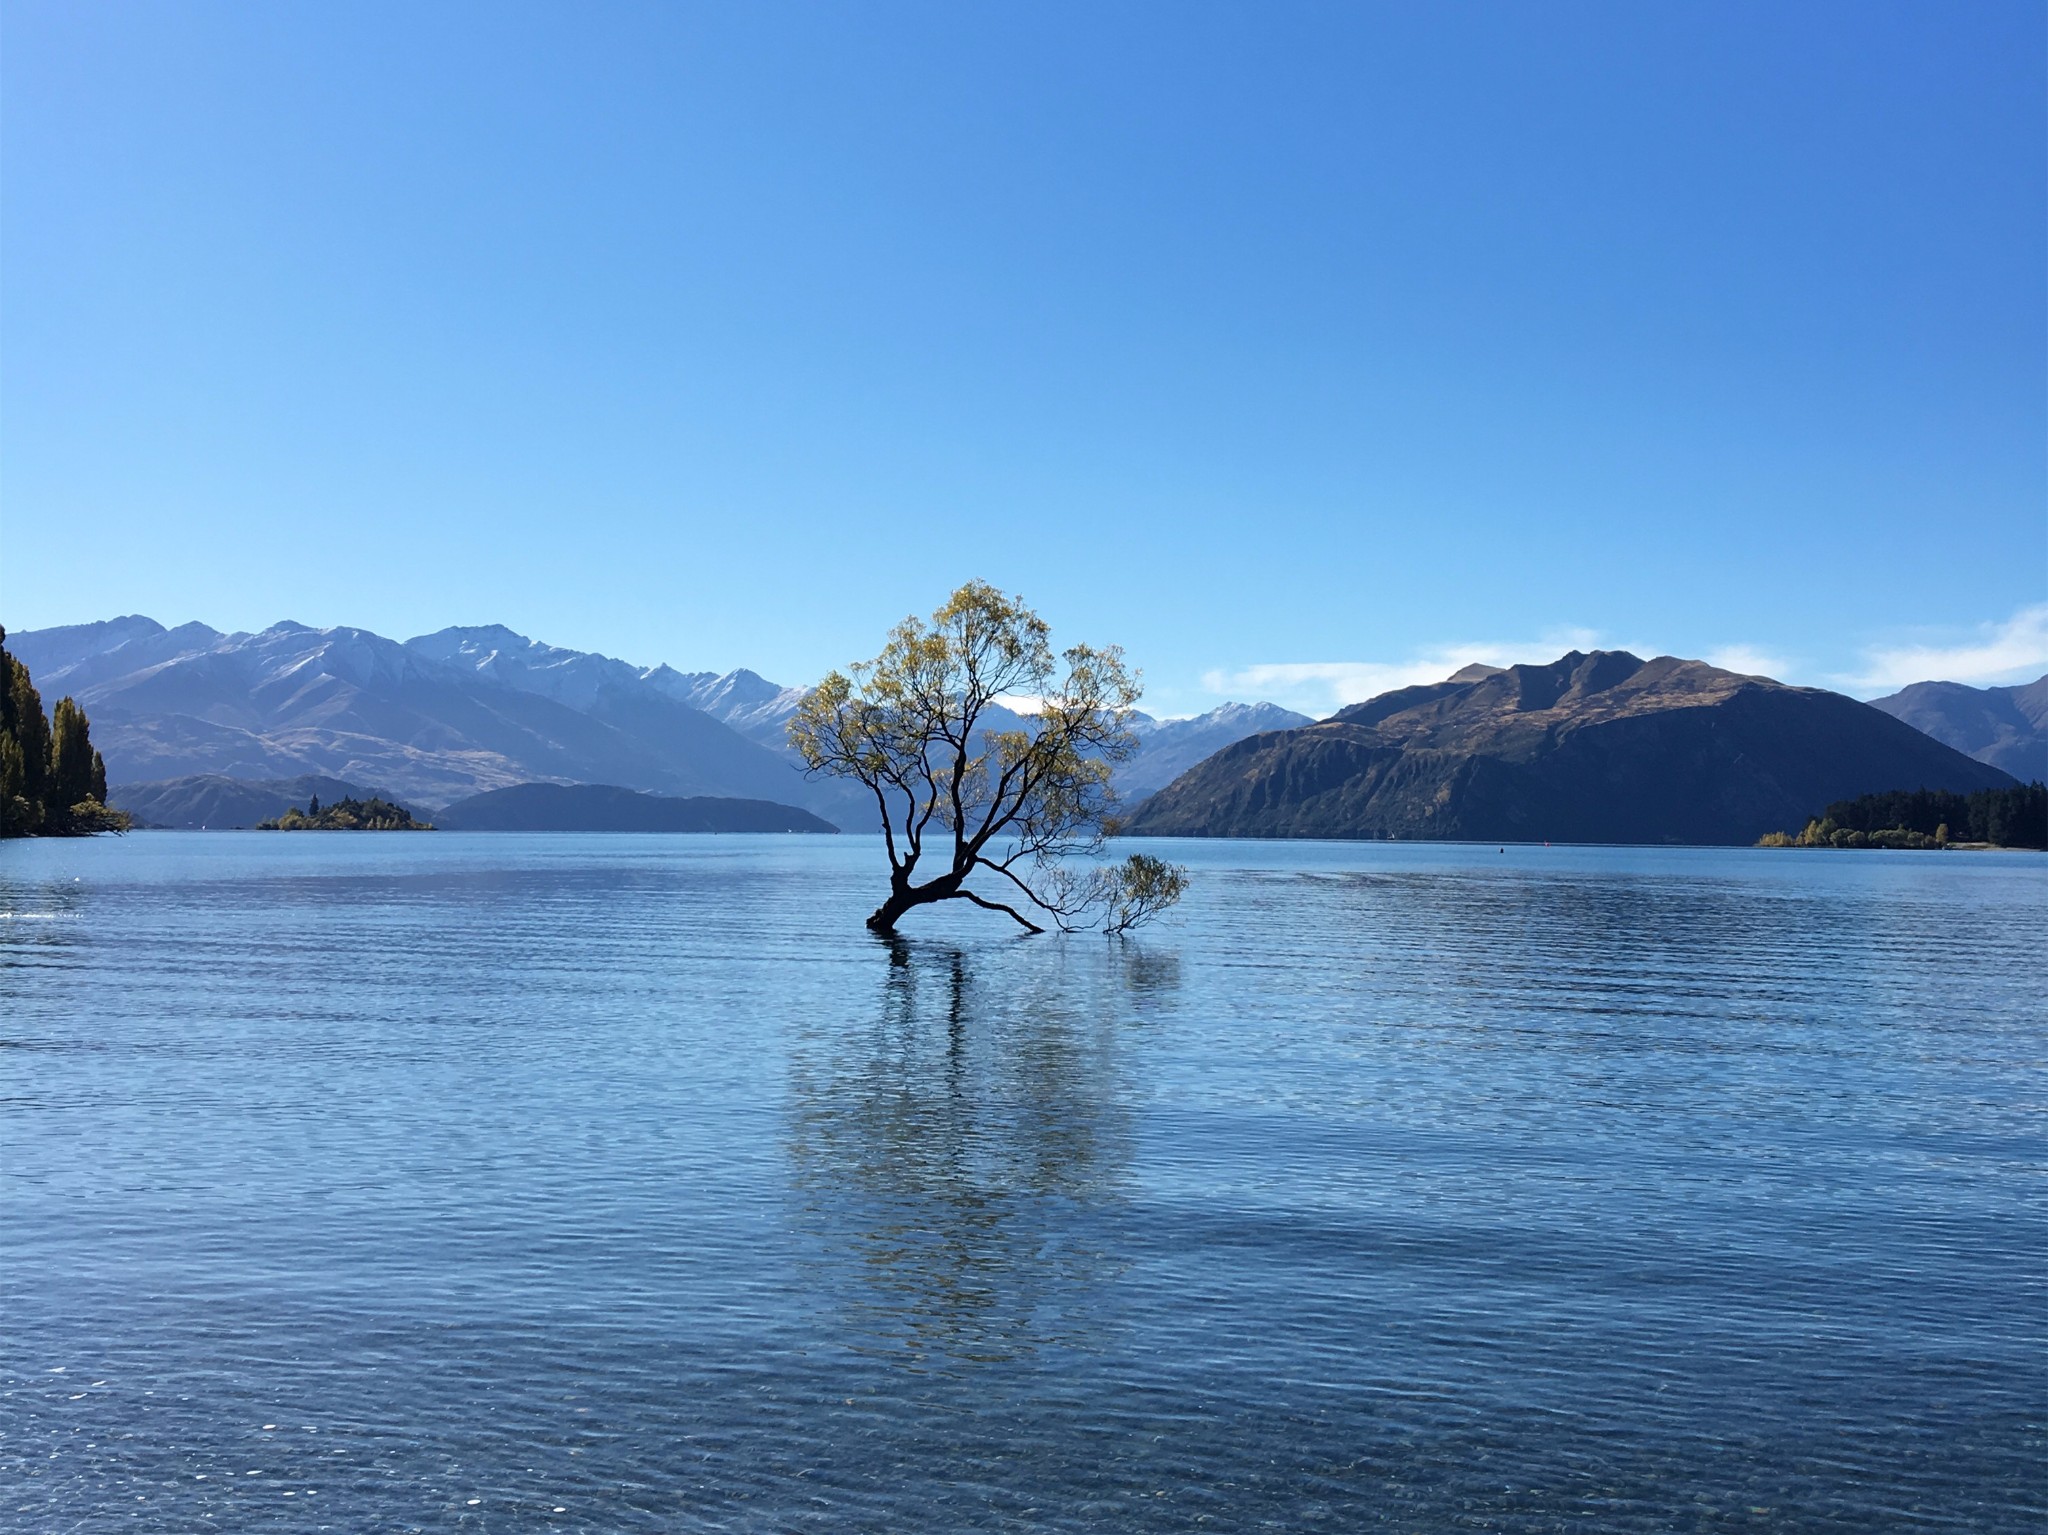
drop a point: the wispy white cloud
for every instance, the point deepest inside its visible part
(1323, 687)
(1751, 662)
(2015, 650)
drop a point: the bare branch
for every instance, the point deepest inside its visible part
(981, 901)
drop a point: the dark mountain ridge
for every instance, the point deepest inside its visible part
(1600, 747)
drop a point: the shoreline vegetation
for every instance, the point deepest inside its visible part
(52, 782)
(1928, 819)
(371, 814)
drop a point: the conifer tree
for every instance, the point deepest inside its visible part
(14, 818)
(47, 772)
(14, 804)
(71, 757)
(30, 730)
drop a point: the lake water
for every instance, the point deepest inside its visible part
(506, 1183)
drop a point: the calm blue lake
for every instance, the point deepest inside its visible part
(509, 1183)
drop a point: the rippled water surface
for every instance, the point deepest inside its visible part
(614, 1183)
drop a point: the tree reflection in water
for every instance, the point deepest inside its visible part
(961, 1162)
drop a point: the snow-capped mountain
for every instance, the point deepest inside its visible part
(1170, 747)
(463, 710)
(744, 700)
(434, 720)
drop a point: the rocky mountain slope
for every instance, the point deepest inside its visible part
(1590, 748)
(2006, 727)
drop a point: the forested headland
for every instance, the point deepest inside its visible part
(1925, 818)
(371, 814)
(52, 782)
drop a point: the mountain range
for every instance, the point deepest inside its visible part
(1599, 747)
(458, 712)
(2006, 727)
(199, 727)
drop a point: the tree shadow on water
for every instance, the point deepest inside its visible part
(960, 1159)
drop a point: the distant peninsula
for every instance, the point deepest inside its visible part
(1928, 818)
(346, 815)
(215, 802)
(607, 807)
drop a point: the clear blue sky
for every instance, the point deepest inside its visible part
(1344, 338)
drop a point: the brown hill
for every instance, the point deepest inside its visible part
(1591, 748)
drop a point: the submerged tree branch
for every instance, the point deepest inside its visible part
(983, 901)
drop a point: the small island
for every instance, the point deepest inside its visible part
(371, 814)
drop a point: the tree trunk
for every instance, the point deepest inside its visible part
(886, 914)
(883, 922)
(903, 896)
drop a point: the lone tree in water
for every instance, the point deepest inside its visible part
(959, 796)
